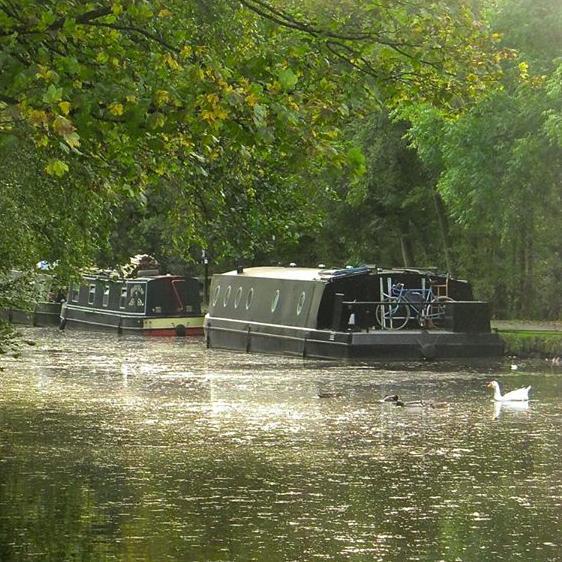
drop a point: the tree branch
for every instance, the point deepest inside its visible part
(85, 18)
(365, 67)
(138, 30)
(269, 12)
(8, 100)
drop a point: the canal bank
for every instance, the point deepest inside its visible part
(527, 338)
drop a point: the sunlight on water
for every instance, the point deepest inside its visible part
(124, 448)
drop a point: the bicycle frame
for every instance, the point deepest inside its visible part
(417, 306)
(403, 305)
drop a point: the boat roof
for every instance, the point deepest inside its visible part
(298, 273)
(108, 277)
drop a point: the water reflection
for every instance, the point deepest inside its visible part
(114, 449)
(500, 407)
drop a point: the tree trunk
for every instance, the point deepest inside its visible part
(528, 297)
(443, 221)
(406, 246)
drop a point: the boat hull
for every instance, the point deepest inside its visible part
(123, 323)
(379, 344)
(43, 314)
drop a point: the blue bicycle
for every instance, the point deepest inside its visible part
(403, 305)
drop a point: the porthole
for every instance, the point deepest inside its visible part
(300, 304)
(237, 297)
(75, 293)
(105, 301)
(249, 298)
(275, 301)
(123, 298)
(216, 295)
(92, 294)
(226, 296)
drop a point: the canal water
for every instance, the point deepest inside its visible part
(124, 449)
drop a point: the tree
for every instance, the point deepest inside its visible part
(500, 170)
(386, 216)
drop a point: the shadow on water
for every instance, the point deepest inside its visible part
(122, 448)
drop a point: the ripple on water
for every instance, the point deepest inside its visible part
(164, 450)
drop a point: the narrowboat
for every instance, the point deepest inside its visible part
(44, 305)
(40, 314)
(149, 304)
(362, 312)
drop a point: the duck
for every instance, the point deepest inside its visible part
(390, 398)
(396, 401)
(329, 394)
(518, 395)
(410, 404)
(436, 405)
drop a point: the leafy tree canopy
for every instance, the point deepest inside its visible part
(227, 107)
(189, 124)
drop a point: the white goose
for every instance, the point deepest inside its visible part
(519, 395)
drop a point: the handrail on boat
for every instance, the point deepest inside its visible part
(378, 314)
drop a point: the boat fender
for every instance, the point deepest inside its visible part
(180, 330)
(248, 338)
(428, 350)
(62, 324)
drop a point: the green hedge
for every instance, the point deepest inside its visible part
(523, 342)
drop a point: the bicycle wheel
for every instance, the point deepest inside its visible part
(434, 313)
(392, 315)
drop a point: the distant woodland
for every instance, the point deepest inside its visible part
(395, 133)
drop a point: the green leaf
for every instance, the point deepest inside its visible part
(47, 19)
(52, 95)
(56, 168)
(356, 160)
(287, 78)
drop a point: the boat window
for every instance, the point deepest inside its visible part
(123, 299)
(136, 293)
(237, 297)
(186, 297)
(249, 298)
(106, 295)
(75, 293)
(275, 301)
(92, 294)
(300, 304)
(226, 295)
(216, 294)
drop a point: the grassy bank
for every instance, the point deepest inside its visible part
(526, 338)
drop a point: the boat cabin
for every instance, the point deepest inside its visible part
(152, 296)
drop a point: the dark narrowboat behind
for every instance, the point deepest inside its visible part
(156, 305)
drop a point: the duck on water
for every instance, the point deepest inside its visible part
(395, 399)
(518, 395)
